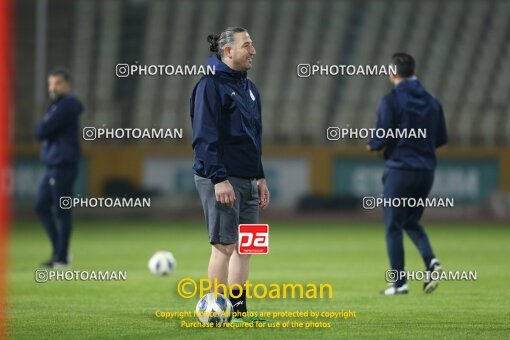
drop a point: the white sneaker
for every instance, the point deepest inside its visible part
(59, 266)
(395, 290)
(429, 285)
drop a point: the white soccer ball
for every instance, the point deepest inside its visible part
(162, 263)
(214, 310)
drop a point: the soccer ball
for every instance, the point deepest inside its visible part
(162, 263)
(214, 310)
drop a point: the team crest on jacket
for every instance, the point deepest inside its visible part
(252, 96)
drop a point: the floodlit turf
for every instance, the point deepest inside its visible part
(350, 256)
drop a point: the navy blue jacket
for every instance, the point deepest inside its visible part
(410, 106)
(227, 125)
(59, 131)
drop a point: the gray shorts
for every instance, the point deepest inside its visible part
(222, 222)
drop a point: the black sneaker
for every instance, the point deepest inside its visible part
(429, 284)
(248, 319)
(394, 290)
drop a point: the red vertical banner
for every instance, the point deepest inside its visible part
(6, 91)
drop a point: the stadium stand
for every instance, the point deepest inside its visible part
(471, 79)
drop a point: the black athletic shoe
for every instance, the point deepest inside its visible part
(394, 290)
(248, 319)
(429, 284)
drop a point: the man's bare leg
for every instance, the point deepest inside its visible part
(239, 266)
(219, 262)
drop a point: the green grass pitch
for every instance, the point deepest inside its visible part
(350, 256)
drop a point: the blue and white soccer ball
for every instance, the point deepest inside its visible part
(217, 310)
(162, 263)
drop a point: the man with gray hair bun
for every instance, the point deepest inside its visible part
(227, 131)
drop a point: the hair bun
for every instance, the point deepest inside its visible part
(213, 42)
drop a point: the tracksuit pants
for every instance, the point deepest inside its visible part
(406, 184)
(57, 182)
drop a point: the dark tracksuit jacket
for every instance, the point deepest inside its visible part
(59, 132)
(226, 118)
(410, 106)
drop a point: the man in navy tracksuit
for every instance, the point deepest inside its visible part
(227, 130)
(410, 165)
(58, 132)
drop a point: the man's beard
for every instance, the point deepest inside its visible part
(243, 66)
